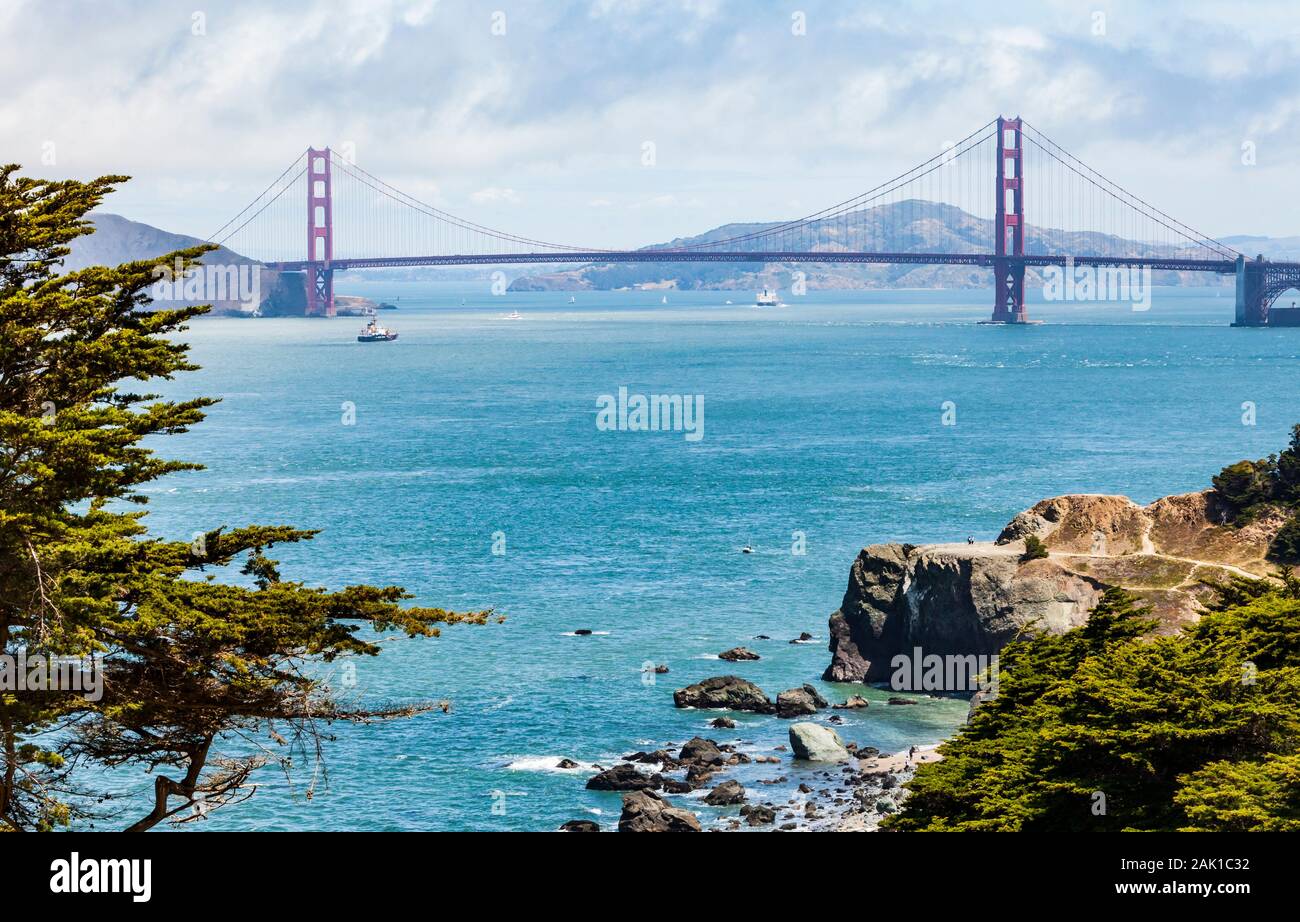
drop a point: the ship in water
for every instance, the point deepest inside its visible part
(374, 333)
(767, 298)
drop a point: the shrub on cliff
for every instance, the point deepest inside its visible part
(1103, 728)
(1285, 546)
(1249, 487)
(1035, 549)
(1246, 486)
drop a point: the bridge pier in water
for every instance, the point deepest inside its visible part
(1259, 284)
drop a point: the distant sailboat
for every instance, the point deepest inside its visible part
(572, 299)
(664, 299)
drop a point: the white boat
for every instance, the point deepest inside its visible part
(767, 298)
(514, 315)
(374, 333)
(572, 299)
(664, 300)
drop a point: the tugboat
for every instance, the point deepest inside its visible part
(767, 298)
(374, 333)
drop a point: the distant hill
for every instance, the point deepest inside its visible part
(929, 227)
(119, 240)
(913, 226)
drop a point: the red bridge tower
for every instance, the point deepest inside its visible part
(1009, 227)
(319, 276)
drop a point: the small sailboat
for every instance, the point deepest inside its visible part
(374, 333)
(664, 299)
(572, 299)
(746, 549)
(514, 315)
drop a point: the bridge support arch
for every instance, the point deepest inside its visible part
(1259, 284)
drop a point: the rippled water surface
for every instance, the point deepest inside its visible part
(823, 418)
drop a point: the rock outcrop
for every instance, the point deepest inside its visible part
(646, 811)
(624, 778)
(726, 691)
(964, 599)
(726, 794)
(799, 702)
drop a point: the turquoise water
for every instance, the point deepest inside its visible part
(823, 418)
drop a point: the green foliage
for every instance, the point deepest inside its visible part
(1285, 545)
(189, 662)
(1247, 485)
(1247, 488)
(1255, 796)
(1035, 549)
(1193, 731)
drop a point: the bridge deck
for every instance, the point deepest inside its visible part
(658, 256)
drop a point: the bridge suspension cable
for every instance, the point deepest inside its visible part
(943, 205)
(1074, 210)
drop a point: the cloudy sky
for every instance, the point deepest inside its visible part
(533, 115)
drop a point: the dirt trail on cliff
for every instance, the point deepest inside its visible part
(973, 597)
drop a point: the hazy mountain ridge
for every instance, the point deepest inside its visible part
(930, 227)
(913, 226)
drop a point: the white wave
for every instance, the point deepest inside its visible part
(546, 764)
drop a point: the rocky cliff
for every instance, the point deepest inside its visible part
(962, 599)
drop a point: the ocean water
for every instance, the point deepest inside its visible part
(823, 419)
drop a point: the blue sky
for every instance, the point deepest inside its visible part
(540, 130)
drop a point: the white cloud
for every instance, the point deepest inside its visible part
(495, 195)
(744, 117)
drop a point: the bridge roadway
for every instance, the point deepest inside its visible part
(1224, 266)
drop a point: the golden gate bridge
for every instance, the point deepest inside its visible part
(1006, 197)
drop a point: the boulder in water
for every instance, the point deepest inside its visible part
(623, 778)
(724, 692)
(646, 811)
(579, 826)
(699, 751)
(799, 702)
(815, 743)
(726, 794)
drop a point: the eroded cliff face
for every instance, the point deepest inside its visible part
(964, 599)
